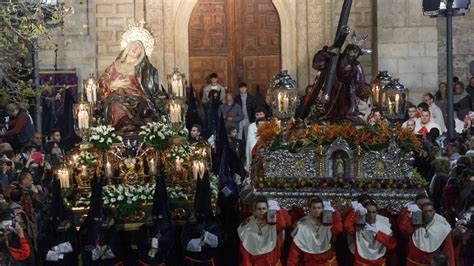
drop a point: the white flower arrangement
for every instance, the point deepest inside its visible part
(183, 151)
(177, 193)
(125, 198)
(86, 158)
(102, 137)
(158, 133)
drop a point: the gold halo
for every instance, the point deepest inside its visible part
(137, 31)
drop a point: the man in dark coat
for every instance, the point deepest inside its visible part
(156, 239)
(201, 237)
(248, 104)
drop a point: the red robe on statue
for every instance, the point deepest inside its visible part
(386, 240)
(418, 257)
(298, 257)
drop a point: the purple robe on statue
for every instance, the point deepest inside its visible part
(348, 87)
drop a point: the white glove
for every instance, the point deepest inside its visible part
(52, 256)
(194, 245)
(63, 248)
(412, 207)
(95, 253)
(359, 208)
(154, 243)
(273, 205)
(371, 228)
(327, 206)
(108, 254)
(237, 179)
(152, 252)
(211, 239)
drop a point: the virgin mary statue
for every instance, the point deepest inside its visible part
(130, 90)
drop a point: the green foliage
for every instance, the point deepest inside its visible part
(22, 26)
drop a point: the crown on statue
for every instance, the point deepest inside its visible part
(138, 32)
(355, 40)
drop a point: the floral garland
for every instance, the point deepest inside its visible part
(158, 134)
(367, 136)
(183, 151)
(102, 137)
(86, 158)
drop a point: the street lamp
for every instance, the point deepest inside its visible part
(448, 9)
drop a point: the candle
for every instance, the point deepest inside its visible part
(195, 169)
(390, 107)
(152, 167)
(397, 102)
(63, 175)
(177, 87)
(178, 163)
(279, 102)
(285, 103)
(83, 119)
(175, 113)
(377, 91)
(108, 170)
(202, 169)
(84, 171)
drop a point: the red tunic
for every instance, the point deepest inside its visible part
(327, 258)
(388, 241)
(268, 259)
(417, 257)
(22, 253)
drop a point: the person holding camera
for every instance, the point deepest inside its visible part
(15, 242)
(372, 233)
(314, 235)
(7, 171)
(426, 236)
(260, 243)
(463, 232)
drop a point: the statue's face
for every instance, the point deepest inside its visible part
(135, 51)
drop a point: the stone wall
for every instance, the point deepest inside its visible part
(76, 47)
(463, 46)
(407, 45)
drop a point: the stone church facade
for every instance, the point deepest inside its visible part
(408, 45)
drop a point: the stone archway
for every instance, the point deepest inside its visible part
(288, 34)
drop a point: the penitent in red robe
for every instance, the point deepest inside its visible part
(386, 240)
(417, 257)
(298, 257)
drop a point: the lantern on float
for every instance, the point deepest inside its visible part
(89, 86)
(395, 100)
(284, 95)
(83, 118)
(176, 84)
(377, 86)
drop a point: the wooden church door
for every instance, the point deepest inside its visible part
(238, 39)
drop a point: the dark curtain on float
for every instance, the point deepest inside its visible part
(57, 103)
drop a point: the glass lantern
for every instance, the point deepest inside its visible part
(377, 86)
(284, 94)
(83, 117)
(176, 111)
(63, 173)
(89, 86)
(395, 100)
(176, 84)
